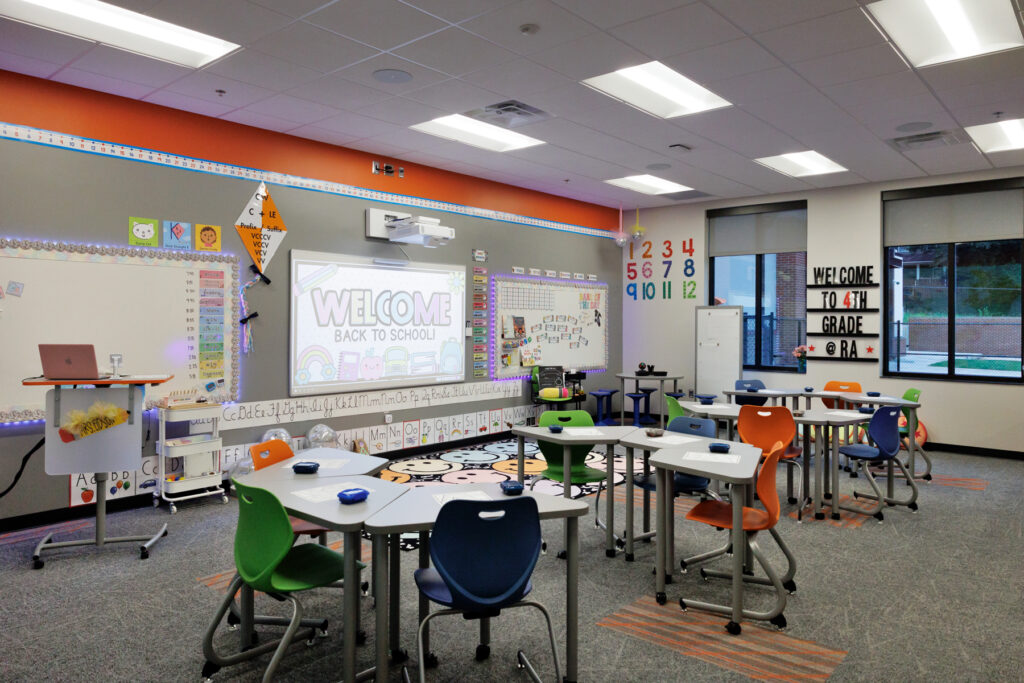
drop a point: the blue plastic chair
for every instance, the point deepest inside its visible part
(884, 432)
(483, 553)
(747, 385)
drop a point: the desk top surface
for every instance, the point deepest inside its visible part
(334, 463)
(738, 466)
(633, 375)
(99, 382)
(862, 399)
(417, 510)
(639, 439)
(730, 410)
(764, 392)
(830, 417)
(576, 434)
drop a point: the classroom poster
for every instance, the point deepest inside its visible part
(412, 433)
(207, 237)
(455, 428)
(143, 232)
(377, 439)
(469, 425)
(395, 433)
(177, 235)
(495, 425)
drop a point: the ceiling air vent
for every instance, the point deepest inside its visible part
(937, 138)
(688, 194)
(508, 114)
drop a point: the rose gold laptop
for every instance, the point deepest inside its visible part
(69, 361)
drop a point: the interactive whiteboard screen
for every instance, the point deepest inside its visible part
(358, 325)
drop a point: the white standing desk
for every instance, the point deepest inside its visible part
(660, 379)
(417, 511)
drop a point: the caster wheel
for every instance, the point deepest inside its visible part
(779, 621)
(660, 598)
(543, 548)
(364, 588)
(790, 586)
(37, 563)
(224, 499)
(398, 656)
(880, 517)
(856, 495)
(360, 637)
(321, 631)
(619, 543)
(913, 506)
(733, 628)
(629, 557)
(609, 552)
(854, 475)
(819, 515)
(827, 496)
(174, 509)
(143, 553)
(233, 621)
(791, 501)
(927, 477)
(703, 574)
(482, 652)
(163, 534)
(682, 565)
(430, 661)
(209, 669)
(156, 502)
(891, 504)
(561, 555)
(682, 604)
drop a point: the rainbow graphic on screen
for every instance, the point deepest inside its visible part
(309, 357)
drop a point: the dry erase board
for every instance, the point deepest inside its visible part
(164, 312)
(719, 348)
(539, 321)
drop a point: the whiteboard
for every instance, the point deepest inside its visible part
(165, 312)
(719, 348)
(538, 321)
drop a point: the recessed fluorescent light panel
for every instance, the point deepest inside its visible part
(648, 184)
(936, 31)
(477, 133)
(1001, 136)
(800, 164)
(120, 28)
(657, 90)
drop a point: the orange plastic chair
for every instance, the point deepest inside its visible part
(839, 385)
(719, 514)
(762, 426)
(274, 451)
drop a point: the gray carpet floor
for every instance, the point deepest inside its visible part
(930, 596)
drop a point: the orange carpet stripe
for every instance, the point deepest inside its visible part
(40, 531)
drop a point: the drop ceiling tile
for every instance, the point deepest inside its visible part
(801, 112)
(966, 72)
(235, 20)
(251, 118)
(335, 91)
(27, 65)
(885, 125)
(987, 94)
(377, 146)
(1007, 159)
(313, 47)
(331, 137)
(518, 78)
(166, 98)
(607, 14)
(739, 169)
(823, 36)
(384, 24)
(402, 112)
(454, 96)
(257, 68)
(760, 85)
(292, 109)
(502, 26)
(591, 55)
(861, 151)
(763, 15)
(108, 61)
(739, 131)
(568, 161)
(834, 180)
(357, 125)
(363, 73)
(954, 159)
(568, 99)
(852, 65)
(140, 6)
(722, 61)
(37, 43)
(877, 89)
(921, 107)
(454, 52)
(204, 85)
(293, 8)
(114, 86)
(982, 113)
(458, 10)
(690, 27)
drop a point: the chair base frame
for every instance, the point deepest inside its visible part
(876, 512)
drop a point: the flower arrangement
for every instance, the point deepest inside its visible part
(801, 352)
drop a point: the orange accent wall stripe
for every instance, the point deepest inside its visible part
(48, 105)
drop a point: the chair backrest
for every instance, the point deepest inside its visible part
(747, 385)
(486, 550)
(839, 385)
(698, 426)
(269, 452)
(884, 430)
(674, 409)
(553, 451)
(766, 490)
(263, 537)
(911, 395)
(762, 426)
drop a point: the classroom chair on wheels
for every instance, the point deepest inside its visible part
(719, 515)
(268, 561)
(883, 431)
(270, 453)
(749, 385)
(674, 409)
(905, 436)
(847, 388)
(504, 536)
(579, 473)
(762, 426)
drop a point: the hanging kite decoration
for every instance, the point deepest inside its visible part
(262, 231)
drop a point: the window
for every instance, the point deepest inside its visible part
(953, 307)
(759, 261)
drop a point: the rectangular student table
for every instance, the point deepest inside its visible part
(567, 438)
(730, 412)
(773, 394)
(334, 462)
(828, 423)
(417, 511)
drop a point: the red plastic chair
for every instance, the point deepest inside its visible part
(272, 452)
(762, 426)
(719, 514)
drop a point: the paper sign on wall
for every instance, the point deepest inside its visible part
(261, 228)
(207, 237)
(177, 235)
(142, 232)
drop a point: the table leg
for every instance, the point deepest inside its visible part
(819, 470)
(739, 549)
(351, 609)
(805, 489)
(246, 616)
(394, 584)
(661, 402)
(629, 503)
(572, 601)
(911, 442)
(609, 531)
(835, 473)
(566, 486)
(520, 468)
(424, 603)
(381, 605)
(661, 535)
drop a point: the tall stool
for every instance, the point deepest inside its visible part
(646, 418)
(604, 406)
(637, 400)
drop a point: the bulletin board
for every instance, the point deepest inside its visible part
(165, 312)
(542, 321)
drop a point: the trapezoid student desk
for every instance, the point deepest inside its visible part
(118, 447)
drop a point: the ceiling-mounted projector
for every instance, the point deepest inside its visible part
(427, 232)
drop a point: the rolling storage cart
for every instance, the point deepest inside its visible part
(200, 455)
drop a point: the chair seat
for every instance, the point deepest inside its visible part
(648, 390)
(675, 394)
(603, 392)
(577, 475)
(717, 513)
(301, 526)
(635, 396)
(431, 584)
(862, 451)
(308, 565)
(792, 452)
(682, 483)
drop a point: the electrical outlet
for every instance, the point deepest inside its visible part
(690, 393)
(388, 417)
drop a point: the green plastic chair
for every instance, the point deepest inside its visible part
(915, 396)
(674, 409)
(267, 561)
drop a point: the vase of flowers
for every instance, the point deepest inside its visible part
(800, 353)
